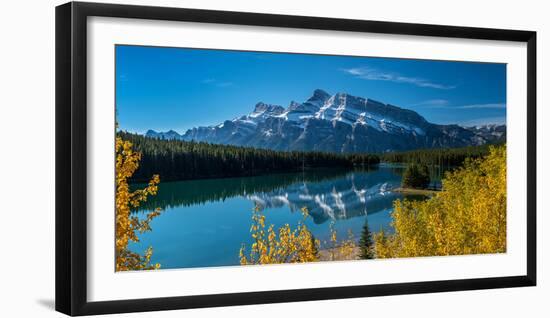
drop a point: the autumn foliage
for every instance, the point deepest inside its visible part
(342, 250)
(128, 226)
(467, 217)
(284, 245)
(288, 245)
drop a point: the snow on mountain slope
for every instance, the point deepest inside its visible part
(337, 123)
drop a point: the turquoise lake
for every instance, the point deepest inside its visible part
(205, 222)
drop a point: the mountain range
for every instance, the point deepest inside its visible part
(337, 123)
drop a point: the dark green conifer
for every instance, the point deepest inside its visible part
(366, 243)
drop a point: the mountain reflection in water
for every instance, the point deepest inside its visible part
(353, 194)
(326, 193)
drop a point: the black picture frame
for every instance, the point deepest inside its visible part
(71, 157)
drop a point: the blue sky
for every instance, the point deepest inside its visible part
(174, 88)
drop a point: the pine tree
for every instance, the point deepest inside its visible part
(183, 160)
(438, 156)
(416, 176)
(366, 244)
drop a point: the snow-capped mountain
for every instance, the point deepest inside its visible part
(337, 123)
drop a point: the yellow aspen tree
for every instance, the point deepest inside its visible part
(467, 217)
(284, 245)
(341, 251)
(128, 226)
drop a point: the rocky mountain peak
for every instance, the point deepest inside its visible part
(268, 108)
(319, 95)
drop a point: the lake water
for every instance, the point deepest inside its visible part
(205, 222)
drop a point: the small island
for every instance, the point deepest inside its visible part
(416, 181)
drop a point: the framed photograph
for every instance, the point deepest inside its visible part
(209, 158)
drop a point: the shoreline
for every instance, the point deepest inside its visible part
(266, 173)
(427, 192)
